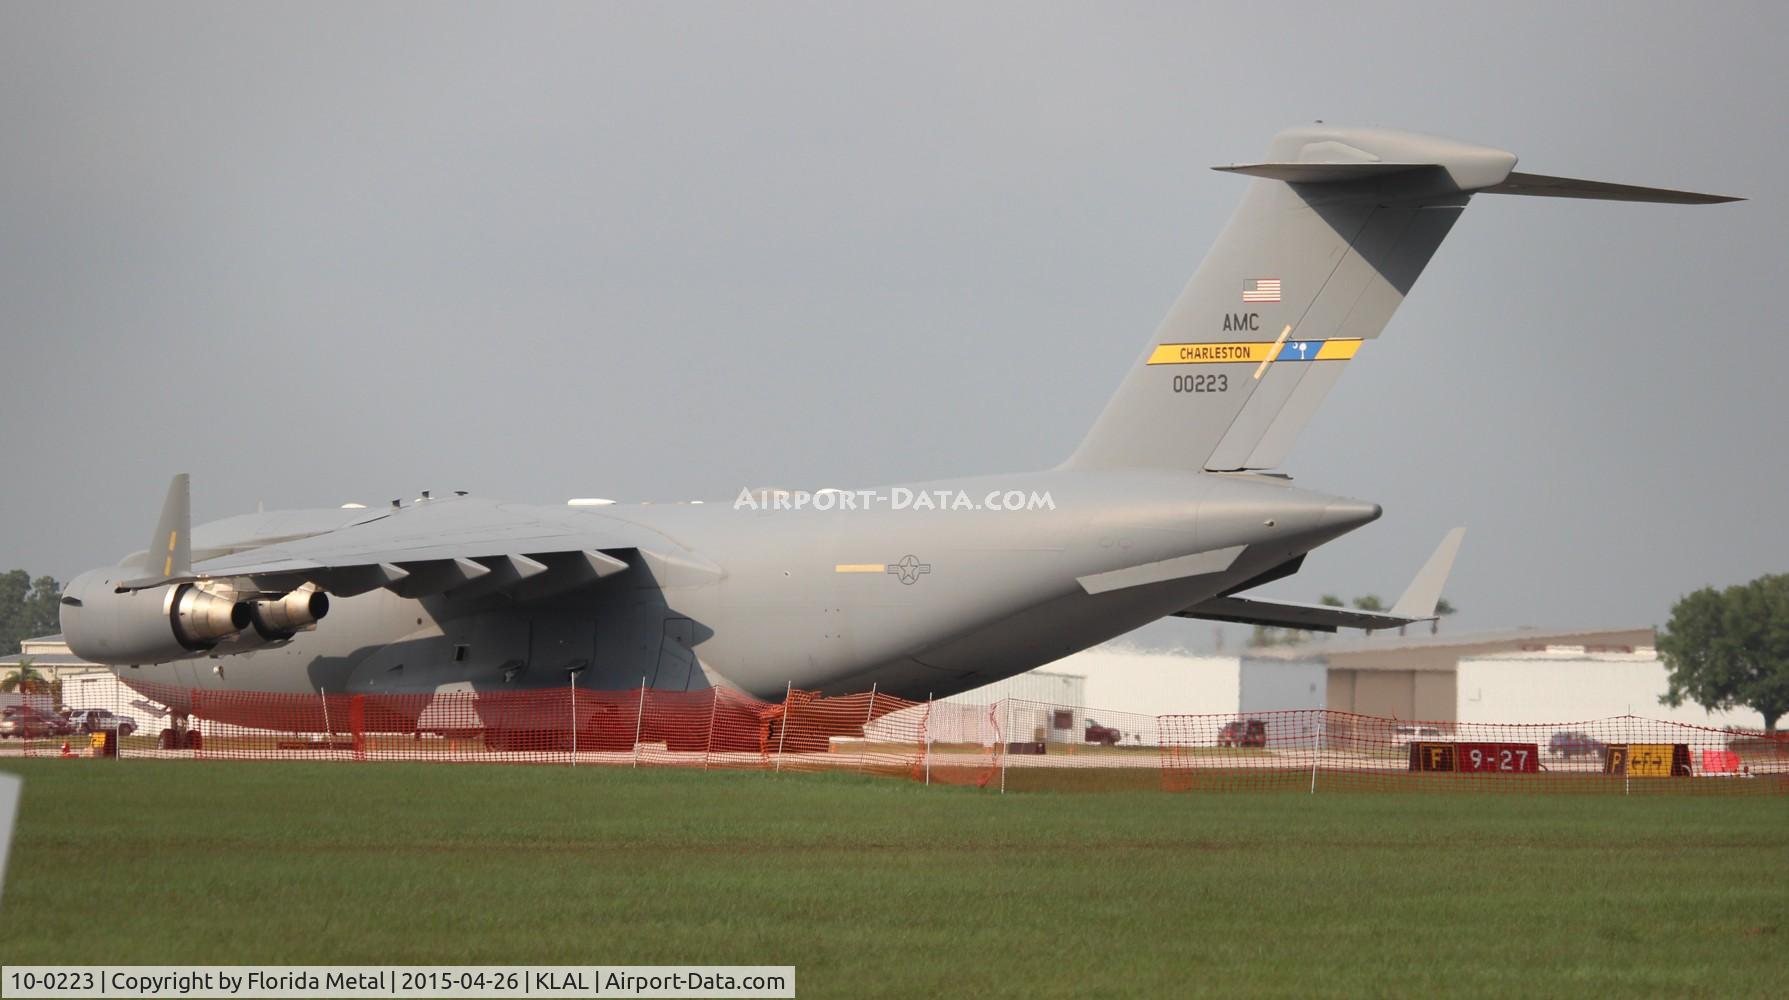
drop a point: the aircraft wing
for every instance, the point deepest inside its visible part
(1417, 604)
(460, 547)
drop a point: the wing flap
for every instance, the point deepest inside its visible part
(525, 576)
(461, 548)
(435, 576)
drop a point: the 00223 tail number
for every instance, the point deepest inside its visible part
(1202, 383)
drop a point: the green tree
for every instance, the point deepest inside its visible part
(1443, 608)
(1331, 601)
(1271, 635)
(1727, 648)
(28, 608)
(1371, 602)
(25, 680)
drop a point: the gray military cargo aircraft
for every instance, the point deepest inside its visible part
(1166, 508)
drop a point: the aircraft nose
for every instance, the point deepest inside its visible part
(1349, 514)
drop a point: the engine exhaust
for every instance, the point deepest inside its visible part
(202, 618)
(279, 619)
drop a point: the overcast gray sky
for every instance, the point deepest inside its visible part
(661, 251)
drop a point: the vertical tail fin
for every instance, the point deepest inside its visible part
(1328, 240)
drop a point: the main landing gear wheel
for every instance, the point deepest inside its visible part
(179, 739)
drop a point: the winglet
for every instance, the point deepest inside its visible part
(170, 553)
(1424, 592)
(171, 548)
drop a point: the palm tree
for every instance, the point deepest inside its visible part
(1442, 610)
(25, 680)
(1370, 602)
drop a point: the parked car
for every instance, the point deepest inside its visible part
(1243, 733)
(1097, 733)
(27, 723)
(1572, 743)
(100, 720)
(1405, 735)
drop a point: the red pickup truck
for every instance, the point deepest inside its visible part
(1243, 733)
(1104, 735)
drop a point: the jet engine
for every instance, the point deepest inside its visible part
(283, 617)
(201, 618)
(107, 625)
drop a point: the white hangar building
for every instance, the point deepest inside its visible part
(1571, 683)
(1512, 675)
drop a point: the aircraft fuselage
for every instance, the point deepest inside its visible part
(926, 599)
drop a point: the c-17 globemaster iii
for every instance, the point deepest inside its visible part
(1167, 507)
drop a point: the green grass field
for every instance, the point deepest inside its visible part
(878, 887)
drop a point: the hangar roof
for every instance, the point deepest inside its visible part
(1443, 652)
(44, 660)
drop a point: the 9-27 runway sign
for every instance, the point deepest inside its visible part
(1502, 758)
(1476, 758)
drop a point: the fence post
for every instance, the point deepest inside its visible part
(783, 733)
(574, 718)
(714, 701)
(1627, 739)
(1001, 732)
(328, 730)
(1322, 724)
(863, 754)
(925, 734)
(639, 721)
(357, 725)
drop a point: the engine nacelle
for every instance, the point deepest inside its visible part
(144, 626)
(201, 618)
(282, 618)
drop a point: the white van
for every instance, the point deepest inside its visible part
(1406, 735)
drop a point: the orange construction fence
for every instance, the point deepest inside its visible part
(1006, 745)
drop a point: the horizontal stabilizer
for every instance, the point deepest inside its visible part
(1417, 604)
(1516, 182)
(1540, 185)
(1313, 617)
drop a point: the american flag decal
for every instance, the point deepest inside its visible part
(1261, 290)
